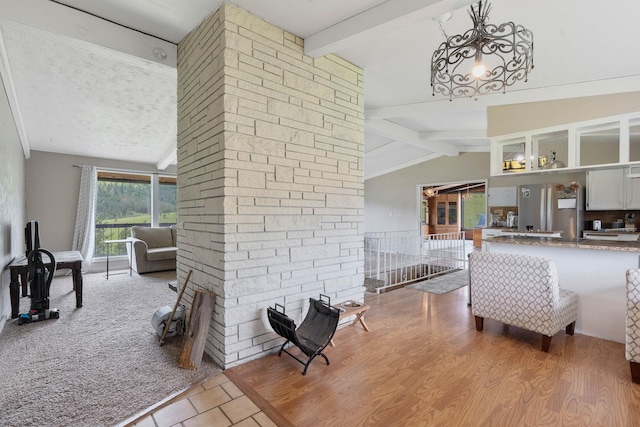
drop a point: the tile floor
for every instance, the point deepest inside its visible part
(217, 402)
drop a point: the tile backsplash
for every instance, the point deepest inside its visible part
(608, 218)
(498, 214)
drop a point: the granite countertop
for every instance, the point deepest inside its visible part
(516, 230)
(610, 245)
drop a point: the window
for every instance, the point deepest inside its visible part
(442, 209)
(127, 199)
(167, 196)
(473, 209)
(453, 213)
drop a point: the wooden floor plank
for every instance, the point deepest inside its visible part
(423, 363)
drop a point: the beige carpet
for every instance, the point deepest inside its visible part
(97, 365)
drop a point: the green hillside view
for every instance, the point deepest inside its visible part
(474, 210)
(127, 204)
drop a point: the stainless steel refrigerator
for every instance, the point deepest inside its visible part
(552, 207)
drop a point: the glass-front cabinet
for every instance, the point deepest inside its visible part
(444, 214)
(551, 150)
(546, 150)
(599, 144)
(603, 142)
(513, 153)
(634, 140)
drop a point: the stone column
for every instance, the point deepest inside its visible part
(270, 177)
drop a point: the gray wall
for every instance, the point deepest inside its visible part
(52, 186)
(512, 118)
(12, 205)
(391, 200)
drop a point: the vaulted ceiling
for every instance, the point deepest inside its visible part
(98, 78)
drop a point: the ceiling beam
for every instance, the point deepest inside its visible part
(456, 134)
(7, 81)
(391, 130)
(167, 159)
(409, 136)
(388, 16)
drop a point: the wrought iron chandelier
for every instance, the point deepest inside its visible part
(486, 58)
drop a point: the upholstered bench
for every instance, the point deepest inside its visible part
(632, 347)
(522, 291)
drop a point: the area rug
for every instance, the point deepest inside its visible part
(442, 284)
(97, 365)
(372, 285)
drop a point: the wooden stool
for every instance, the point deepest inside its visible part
(351, 308)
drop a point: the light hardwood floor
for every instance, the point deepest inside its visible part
(424, 364)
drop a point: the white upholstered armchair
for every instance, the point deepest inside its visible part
(522, 291)
(632, 348)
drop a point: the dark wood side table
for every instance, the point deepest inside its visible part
(68, 259)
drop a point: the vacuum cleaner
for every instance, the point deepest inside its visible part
(40, 275)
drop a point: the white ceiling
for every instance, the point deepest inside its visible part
(78, 84)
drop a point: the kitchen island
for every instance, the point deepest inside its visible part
(595, 269)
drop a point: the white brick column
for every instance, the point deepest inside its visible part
(270, 178)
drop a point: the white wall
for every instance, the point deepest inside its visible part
(391, 201)
(52, 186)
(12, 201)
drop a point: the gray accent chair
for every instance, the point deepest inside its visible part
(153, 248)
(522, 291)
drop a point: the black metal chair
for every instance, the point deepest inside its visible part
(315, 331)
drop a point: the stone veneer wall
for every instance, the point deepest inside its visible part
(270, 176)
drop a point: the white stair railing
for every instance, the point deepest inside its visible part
(400, 257)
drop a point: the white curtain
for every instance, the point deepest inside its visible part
(84, 232)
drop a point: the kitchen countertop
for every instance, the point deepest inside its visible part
(610, 245)
(515, 230)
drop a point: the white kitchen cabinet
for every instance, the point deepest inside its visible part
(612, 189)
(502, 196)
(632, 191)
(605, 189)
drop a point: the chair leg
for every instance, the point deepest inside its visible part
(479, 323)
(570, 329)
(546, 343)
(282, 348)
(326, 359)
(635, 372)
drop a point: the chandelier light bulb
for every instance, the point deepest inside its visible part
(478, 70)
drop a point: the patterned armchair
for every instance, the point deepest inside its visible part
(522, 291)
(632, 348)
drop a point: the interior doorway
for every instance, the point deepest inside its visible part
(453, 207)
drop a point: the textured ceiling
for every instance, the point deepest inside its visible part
(84, 99)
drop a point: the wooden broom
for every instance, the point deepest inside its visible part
(175, 307)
